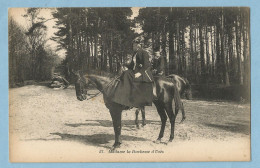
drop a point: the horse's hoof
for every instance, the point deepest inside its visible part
(84, 97)
(183, 118)
(79, 98)
(143, 124)
(164, 143)
(137, 126)
(170, 140)
(157, 141)
(116, 145)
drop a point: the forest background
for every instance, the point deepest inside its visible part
(208, 46)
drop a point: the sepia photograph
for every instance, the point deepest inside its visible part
(129, 84)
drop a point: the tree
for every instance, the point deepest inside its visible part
(205, 44)
(36, 40)
(17, 52)
(95, 38)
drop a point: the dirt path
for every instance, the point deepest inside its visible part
(52, 125)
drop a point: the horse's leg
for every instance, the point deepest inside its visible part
(178, 104)
(136, 117)
(182, 112)
(163, 116)
(172, 117)
(116, 118)
(143, 116)
(169, 110)
(142, 109)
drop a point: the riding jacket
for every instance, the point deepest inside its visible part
(143, 66)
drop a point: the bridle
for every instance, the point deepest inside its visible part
(95, 95)
(101, 91)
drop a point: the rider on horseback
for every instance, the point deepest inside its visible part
(158, 64)
(135, 88)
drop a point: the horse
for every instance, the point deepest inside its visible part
(182, 85)
(164, 92)
(184, 89)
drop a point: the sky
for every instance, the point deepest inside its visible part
(17, 15)
(135, 11)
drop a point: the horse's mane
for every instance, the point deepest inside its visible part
(99, 77)
(101, 73)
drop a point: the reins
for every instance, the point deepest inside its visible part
(101, 91)
(94, 95)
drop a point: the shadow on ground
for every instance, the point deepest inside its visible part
(108, 123)
(100, 140)
(232, 127)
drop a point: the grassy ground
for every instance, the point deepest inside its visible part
(52, 125)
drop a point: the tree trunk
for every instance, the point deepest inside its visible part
(111, 53)
(218, 54)
(196, 70)
(207, 52)
(202, 58)
(184, 67)
(95, 51)
(224, 65)
(191, 49)
(238, 50)
(177, 38)
(246, 56)
(171, 44)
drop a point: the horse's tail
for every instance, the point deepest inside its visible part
(182, 84)
(178, 103)
(187, 89)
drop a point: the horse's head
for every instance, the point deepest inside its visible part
(80, 85)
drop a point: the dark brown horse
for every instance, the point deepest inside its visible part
(184, 89)
(182, 85)
(164, 92)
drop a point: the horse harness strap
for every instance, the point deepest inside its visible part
(94, 95)
(101, 91)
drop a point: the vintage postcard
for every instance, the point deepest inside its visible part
(129, 84)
